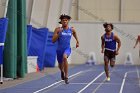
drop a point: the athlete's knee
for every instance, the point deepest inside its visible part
(106, 67)
(106, 63)
(65, 59)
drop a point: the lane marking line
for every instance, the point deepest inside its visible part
(91, 82)
(62, 80)
(123, 82)
(57, 82)
(138, 75)
(102, 82)
(85, 71)
(97, 83)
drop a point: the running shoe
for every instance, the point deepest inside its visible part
(108, 79)
(66, 81)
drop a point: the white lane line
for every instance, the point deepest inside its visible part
(123, 83)
(122, 86)
(85, 71)
(99, 86)
(103, 82)
(138, 75)
(97, 83)
(57, 82)
(91, 82)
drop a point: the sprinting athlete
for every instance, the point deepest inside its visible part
(108, 45)
(63, 36)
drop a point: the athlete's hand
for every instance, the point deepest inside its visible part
(134, 47)
(117, 53)
(102, 51)
(77, 44)
(59, 31)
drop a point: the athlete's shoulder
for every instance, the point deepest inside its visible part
(115, 35)
(102, 37)
(72, 28)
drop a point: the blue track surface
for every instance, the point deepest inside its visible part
(85, 79)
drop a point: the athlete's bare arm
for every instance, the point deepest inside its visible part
(102, 44)
(56, 34)
(119, 43)
(75, 36)
(137, 41)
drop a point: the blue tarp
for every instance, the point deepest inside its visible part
(37, 45)
(50, 53)
(40, 44)
(3, 29)
(1, 54)
(29, 33)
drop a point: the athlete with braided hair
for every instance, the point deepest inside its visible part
(63, 36)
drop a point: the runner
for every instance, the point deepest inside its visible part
(108, 45)
(63, 36)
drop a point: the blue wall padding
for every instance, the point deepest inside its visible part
(1, 54)
(37, 45)
(3, 29)
(40, 44)
(50, 54)
(29, 33)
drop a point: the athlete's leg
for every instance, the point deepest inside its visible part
(112, 63)
(61, 67)
(65, 68)
(65, 65)
(60, 63)
(106, 68)
(65, 56)
(106, 62)
(112, 59)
